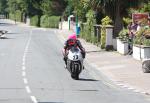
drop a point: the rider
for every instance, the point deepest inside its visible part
(72, 41)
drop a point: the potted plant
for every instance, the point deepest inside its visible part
(122, 42)
(141, 47)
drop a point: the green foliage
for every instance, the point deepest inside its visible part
(146, 42)
(34, 21)
(89, 27)
(123, 35)
(17, 16)
(44, 22)
(142, 41)
(140, 38)
(49, 21)
(126, 21)
(3, 6)
(105, 21)
(145, 8)
(52, 7)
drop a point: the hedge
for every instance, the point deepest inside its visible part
(49, 21)
(16, 16)
(35, 21)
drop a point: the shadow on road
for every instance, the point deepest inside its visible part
(6, 24)
(13, 33)
(83, 79)
(93, 51)
(50, 102)
(6, 38)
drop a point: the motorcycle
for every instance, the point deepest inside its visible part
(74, 62)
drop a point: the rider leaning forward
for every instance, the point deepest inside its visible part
(72, 41)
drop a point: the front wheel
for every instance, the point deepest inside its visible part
(76, 77)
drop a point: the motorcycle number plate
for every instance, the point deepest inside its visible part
(75, 57)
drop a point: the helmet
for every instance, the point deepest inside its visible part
(72, 36)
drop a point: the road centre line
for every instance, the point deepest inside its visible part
(33, 99)
(25, 80)
(28, 89)
(23, 68)
(23, 73)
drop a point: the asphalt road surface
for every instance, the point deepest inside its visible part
(32, 71)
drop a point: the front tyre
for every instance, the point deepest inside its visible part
(76, 77)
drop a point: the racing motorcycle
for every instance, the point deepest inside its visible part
(74, 62)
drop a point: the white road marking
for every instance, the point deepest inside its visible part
(23, 60)
(23, 64)
(130, 88)
(137, 91)
(25, 80)
(23, 67)
(33, 99)
(28, 89)
(24, 56)
(23, 73)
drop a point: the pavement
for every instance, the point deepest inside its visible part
(124, 71)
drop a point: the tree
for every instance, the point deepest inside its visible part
(53, 7)
(3, 6)
(33, 7)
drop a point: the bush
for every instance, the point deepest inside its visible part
(54, 21)
(142, 41)
(126, 21)
(123, 34)
(49, 21)
(17, 16)
(89, 27)
(34, 21)
(146, 42)
(105, 21)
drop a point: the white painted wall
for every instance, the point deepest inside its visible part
(122, 47)
(140, 54)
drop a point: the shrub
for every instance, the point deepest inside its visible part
(89, 27)
(123, 34)
(49, 21)
(17, 15)
(137, 41)
(34, 21)
(126, 21)
(105, 21)
(54, 21)
(44, 22)
(146, 42)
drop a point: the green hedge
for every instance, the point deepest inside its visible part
(16, 16)
(49, 21)
(35, 21)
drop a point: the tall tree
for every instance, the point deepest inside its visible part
(53, 7)
(3, 6)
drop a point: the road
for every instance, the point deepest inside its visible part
(32, 71)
